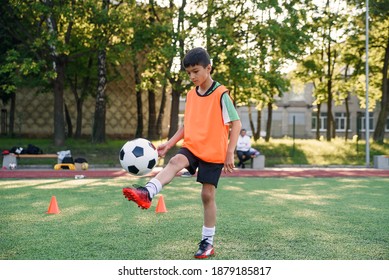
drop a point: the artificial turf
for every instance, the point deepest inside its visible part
(258, 219)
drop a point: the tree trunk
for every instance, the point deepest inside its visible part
(11, 130)
(329, 52)
(318, 121)
(174, 112)
(78, 133)
(177, 82)
(259, 127)
(269, 121)
(86, 83)
(152, 129)
(329, 98)
(59, 120)
(79, 104)
(161, 111)
(58, 85)
(98, 135)
(256, 133)
(251, 122)
(139, 104)
(68, 122)
(379, 132)
(333, 127)
(346, 102)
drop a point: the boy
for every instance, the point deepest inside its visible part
(209, 117)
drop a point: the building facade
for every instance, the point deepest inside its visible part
(295, 115)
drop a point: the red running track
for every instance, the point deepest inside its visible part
(267, 172)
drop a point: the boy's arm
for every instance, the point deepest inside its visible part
(163, 148)
(235, 127)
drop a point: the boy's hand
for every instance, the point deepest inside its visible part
(229, 163)
(162, 149)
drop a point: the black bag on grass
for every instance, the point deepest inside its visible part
(68, 160)
(34, 150)
(80, 160)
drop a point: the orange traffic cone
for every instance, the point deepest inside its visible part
(53, 207)
(161, 208)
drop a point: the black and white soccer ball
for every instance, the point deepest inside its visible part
(138, 156)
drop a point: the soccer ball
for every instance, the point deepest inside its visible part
(138, 156)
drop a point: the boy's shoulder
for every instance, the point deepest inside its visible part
(216, 86)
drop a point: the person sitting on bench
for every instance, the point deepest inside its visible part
(243, 148)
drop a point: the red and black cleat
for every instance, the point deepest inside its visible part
(205, 250)
(139, 195)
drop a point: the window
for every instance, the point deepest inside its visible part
(322, 122)
(371, 122)
(341, 121)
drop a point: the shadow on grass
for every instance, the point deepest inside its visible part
(305, 219)
(258, 218)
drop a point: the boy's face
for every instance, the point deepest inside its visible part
(198, 74)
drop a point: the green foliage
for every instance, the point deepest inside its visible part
(343, 27)
(251, 43)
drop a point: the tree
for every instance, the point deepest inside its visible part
(160, 63)
(327, 59)
(44, 31)
(59, 59)
(103, 37)
(382, 121)
(250, 42)
(347, 77)
(378, 58)
(279, 34)
(8, 79)
(82, 83)
(111, 23)
(175, 78)
(139, 47)
(380, 43)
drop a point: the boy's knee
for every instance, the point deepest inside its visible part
(179, 161)
(208, 194)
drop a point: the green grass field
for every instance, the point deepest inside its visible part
(258, 218)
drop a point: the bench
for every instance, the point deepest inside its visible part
(36, 156)
(381, 162)
(12, 158)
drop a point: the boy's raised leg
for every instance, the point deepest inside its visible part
(143, 196)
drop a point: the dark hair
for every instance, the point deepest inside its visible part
(196, 56)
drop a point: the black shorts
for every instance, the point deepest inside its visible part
(208, 172)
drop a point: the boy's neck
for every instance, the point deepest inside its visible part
(203, 88)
